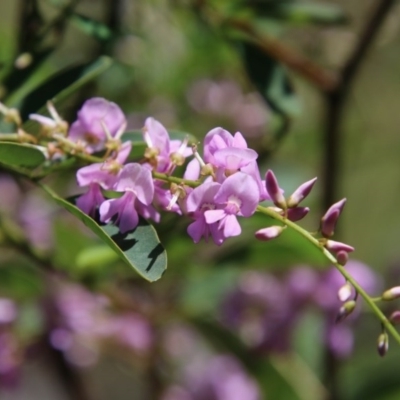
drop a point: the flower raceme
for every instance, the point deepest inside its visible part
(217, 191)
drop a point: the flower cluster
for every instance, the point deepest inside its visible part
(265, 308)
(216, 189)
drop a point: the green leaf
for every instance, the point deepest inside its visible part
(271, 80)
(92, 28)
(20, 155)
(60, 87)
(139, 248)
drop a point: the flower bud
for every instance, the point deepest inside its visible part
(346, 309)
(329, 220)
(395, 317)
(344, 293)
(297, 213)
(391, 294)
(269, 233)
(383, 344)
(342, 257)
(274, 190)
(338, 246)
(300, 193)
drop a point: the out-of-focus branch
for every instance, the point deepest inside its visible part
(336, 100)
(294, 60)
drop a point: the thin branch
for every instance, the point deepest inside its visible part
(337, 98)
(305, 67)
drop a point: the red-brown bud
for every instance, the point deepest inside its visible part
(274, 190)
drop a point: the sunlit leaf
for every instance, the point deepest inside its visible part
(140, 248)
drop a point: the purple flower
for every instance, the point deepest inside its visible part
(136, 181)
(237, 195)
(225, 151)
(162, 153)
(99, 175)
(92, 199)
(223, 378)
(105, 174)
(200, 200)
(133, 331)
(95, 118)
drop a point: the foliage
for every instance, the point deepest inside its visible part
(251, 319)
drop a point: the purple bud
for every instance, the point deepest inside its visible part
(300, 193)
(329, 220)
(274, 190)
(344, 293)
(338, 246)
(269, 233)
(346, 309)
(297, 213)
(383, 344)
(395, 317)
(342, 257)
(391, 294)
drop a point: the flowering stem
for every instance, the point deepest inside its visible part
(174, 179)
(369, 300)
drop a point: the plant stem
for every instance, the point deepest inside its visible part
(174, 179)
(369, 300)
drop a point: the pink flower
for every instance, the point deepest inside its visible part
(223, 150)
(95, 117)
(99, 175)
(237, 195)
(137, 183)
(198, 202)
(162, 153)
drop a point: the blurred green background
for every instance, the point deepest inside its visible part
(184, 63)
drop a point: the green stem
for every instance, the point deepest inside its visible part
(174, 179)
(369, 300)
(10, 137)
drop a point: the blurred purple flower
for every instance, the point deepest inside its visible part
(84, 320)
(8, 311)
(264, 310)
(10, 194)
(222, 378)
(10, 360)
